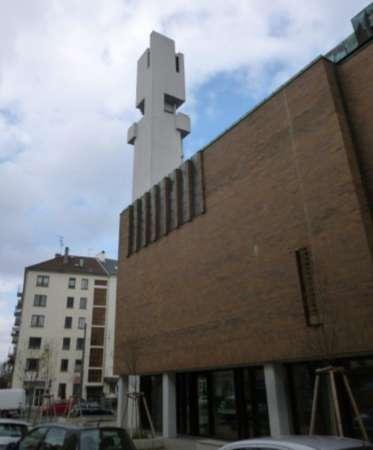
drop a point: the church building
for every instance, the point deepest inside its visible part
(248, 266)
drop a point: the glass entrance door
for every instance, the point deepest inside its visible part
(225, 413)
(203, 405)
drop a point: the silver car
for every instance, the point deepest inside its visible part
(11, 430)
(299, 443)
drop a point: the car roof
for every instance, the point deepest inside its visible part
(14, 422)
(297, 442)
(78, 426)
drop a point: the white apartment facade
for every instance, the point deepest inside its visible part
(65, 327)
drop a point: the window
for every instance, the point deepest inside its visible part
(114, 439)
(66, 343)
(72, 283)
(84, 284)
(37, 321)
(38, 397)
(177, 63)
(96, 356)
(98, 316)
(34, 342)
(169, 107)
(62, 391)
(70, 302)
(89, 440)
(94, 375)
(40, 300)
(64, 365)
(12, 429)
(54, 439)
(80, 343)
(100, 282)
(81, 323)
(33, 439)
(83, 303)
(42, 280)
(78, 365)
(99, 297)
(32, 364)
(68, 322)
(148, 58)
(97, 336)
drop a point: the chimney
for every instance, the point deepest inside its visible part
(66, 255)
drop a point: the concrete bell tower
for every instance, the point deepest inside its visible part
(158, 135)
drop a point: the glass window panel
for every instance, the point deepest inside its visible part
(90, 440)
(54, 439)
(225, 413)
(33, 439)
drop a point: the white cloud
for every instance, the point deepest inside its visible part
(67, 87)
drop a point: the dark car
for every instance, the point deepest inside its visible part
(72, 437)
(87, 409)
(11, 431)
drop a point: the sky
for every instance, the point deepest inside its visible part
(67, 94)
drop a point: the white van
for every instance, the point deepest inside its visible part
(11, 401)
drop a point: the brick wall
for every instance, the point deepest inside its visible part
(224, 289)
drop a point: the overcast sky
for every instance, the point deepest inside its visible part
(67, 90)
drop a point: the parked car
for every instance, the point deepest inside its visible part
(58, 408)
(299, 443)
(87, 409)
(11, 430)
(71, 437)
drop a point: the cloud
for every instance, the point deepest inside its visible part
(67, 89)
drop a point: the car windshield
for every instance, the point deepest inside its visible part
(12, 430)
(109, 439)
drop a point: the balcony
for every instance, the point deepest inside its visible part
(11, 358)
(15, 332)
(19, 305)
(17, 322)
(14, 339)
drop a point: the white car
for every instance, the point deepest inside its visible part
(11, 430)
(299, 443)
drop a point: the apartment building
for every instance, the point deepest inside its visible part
(63, 333)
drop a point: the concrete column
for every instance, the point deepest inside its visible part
(122, 400)
(169, 405)
(277, 398)
(127, 413)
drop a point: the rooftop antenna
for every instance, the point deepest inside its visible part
(60, 240)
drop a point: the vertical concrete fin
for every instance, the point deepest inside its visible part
(187, 169)
(146, 218)
(137, 224)
(130, 230)
(165, 206)
(177, 199)
(154, 212)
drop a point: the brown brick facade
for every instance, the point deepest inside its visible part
(224, 289)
